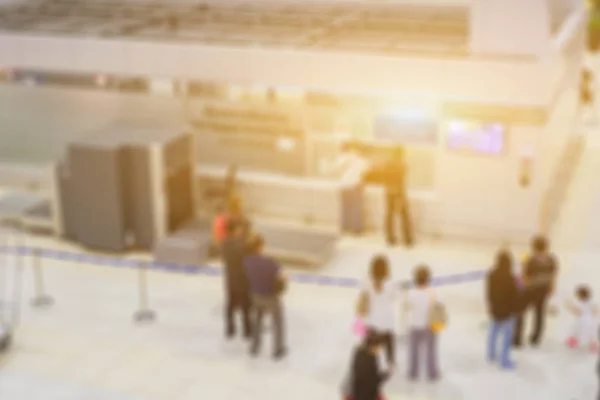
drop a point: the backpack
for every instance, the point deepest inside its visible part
(438, 317)
(220, 228)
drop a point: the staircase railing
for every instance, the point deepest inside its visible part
(560, 182)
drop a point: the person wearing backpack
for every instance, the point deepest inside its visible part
(377, 305)
(502, 295)
(427, 319)
(539, 275)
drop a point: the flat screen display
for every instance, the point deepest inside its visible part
(475, 137)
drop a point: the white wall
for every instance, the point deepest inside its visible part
(480, 196)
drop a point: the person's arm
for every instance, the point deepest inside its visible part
(573, 309)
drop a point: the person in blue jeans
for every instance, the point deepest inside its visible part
(502, 295)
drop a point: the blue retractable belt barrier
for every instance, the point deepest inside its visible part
(303, 278)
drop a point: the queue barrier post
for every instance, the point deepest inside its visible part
(41, 299)
(144, 314)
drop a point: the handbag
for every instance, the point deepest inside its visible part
(359, 328)
(438, 317)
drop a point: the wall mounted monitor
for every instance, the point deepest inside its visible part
(409, 128)
(476, 137)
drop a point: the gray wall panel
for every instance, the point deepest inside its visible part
(139, 193)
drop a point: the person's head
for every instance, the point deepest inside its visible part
(539, 245)
(380, 270)
(583, 293)
(422, 276)
(504, 262)
(233, 228)
(373, 341)
(257, 243)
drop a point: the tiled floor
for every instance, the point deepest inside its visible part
(87, 347)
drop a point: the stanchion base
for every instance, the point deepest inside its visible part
(42, 302)
(144, 316)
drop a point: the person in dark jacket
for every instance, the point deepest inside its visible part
(233, 250)
(267, 284)
(396, 199)
(366, 377)
(539, 277)
(502, 298)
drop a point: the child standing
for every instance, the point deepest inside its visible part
(584, 328)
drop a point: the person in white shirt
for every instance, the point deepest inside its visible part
(382, 295)
(586, 323)
(350, 167)
(419, 303)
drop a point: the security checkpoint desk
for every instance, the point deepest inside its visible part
(314, 203)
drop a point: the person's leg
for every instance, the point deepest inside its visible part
(507, 337)
(406, 222)
(414, 344)
(524, 303)
(257, 326)
(492, 338)
(390, 348)
(540, 318)
(433, 370)
(279, 329)
(518, 331)
(389, 219)
(247, 315)
(229, 311)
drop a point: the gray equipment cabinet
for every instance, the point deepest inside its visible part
(126, 187)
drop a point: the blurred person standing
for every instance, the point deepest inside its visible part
(502, 296)
(377, 303)
(237, 291)
(422, 304)
(366, 379)
(267, 284)
(350, 167)
(539, 275)
(396, 198)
